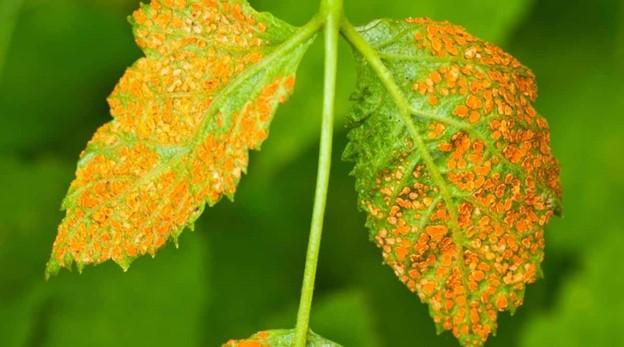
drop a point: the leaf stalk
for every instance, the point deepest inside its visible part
(332, 12)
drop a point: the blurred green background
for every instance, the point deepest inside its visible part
(240, 271)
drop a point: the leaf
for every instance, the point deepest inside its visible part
(590, 310)
(184, 118)
(19, 317)
(62, 109)
(9, 11)
(158, 303)
(30, 194)
(30, 191)
(458, 192)
(279, 338)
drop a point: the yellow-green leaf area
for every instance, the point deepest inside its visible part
(184, 118)
(458, 179)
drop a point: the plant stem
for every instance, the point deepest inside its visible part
(332, 10)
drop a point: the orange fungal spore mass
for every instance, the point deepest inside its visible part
(181, 130)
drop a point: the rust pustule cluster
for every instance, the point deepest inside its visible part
(258, 340)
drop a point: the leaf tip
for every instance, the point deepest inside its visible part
(80, 266)
(124, 263)
(52, 269)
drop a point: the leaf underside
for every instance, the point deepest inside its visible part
(184, 118)
(458, 202)
(279, 338)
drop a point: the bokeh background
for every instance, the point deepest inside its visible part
(240, 271)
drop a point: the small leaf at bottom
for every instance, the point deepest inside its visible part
(279, 338)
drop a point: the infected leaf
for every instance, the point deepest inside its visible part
(279, 338)
(185, 117)
(458, 193)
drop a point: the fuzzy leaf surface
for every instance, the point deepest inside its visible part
(458, 188)
(279, 338)
(184, 118)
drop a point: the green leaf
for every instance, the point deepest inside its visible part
(454, 168)
(20, 317)
(159, 303)
(279, 338)
(9, 10)
(185, 117)
(590, 309)
(72, 51)
(28, 207)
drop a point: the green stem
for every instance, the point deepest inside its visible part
(332, 11)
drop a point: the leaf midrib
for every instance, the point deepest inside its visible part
(405, 111)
